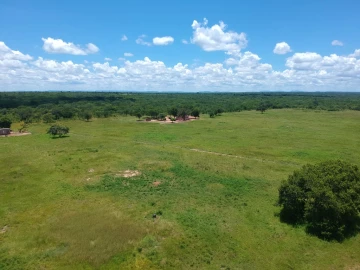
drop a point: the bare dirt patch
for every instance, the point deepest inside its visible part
(215, 186)
(91, 170)
(156, 183)
(16, 134)
(168, 121)
(128, 173)
(4, 229)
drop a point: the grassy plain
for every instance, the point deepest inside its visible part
(63, 207)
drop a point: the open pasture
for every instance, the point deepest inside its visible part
(86, 201)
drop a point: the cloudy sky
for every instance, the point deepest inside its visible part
(256, 45)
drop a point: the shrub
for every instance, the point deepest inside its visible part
(161, 117)
(325, 197)
(57, 130)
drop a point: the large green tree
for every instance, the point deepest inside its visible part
(5, 122)
(325, 197)
(173, 111)
(262, 107)
(195, 113)
(57, 130)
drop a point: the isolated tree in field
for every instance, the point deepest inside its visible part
(195, 113)
(324, 197)
(57, 130)
(173, 111)
(211, 114)
(5, 122)
(87, 116)
(262, 107)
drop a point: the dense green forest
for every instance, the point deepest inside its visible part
(50, 106)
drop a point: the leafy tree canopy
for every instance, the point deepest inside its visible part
(325, 197)
(5, 122)
(57, 130)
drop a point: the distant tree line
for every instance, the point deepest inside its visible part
(51, 106)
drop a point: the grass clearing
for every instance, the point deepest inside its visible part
(67, 203)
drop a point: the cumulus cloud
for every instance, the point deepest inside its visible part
(356, 53)
(63, 67)
(108, 59)
(184, 41)
(162, 41)
(105, 68)
(140, 40)
(124, 38)
(282, 48)
(216, 38)
(11, 59)
(128, 54)
(61, 47)
(7, 54)
(303, 61)
(241, 71)
(337, 43)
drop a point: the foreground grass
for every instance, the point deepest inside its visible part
(65, 207)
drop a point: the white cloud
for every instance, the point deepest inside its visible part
(128, 54)
(216, 38)
(303, 61)
(140, 40)
(124, 38)
(184, 41)
(337, 43)
(63, 67)
(241, 71)
(356, 53)
(105, 68)
(107, 59)
(162, 41)
(91, 48)
(61, 47)
(7, 54)
(6, 63)
(282, 48)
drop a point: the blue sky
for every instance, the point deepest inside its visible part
(318, 45)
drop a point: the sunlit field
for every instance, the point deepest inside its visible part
(68, 203)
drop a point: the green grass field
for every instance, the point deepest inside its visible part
(62, 205)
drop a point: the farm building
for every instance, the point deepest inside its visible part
(4, 131)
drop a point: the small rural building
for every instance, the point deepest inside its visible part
(4, 131)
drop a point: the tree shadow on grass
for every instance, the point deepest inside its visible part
(58, 137)
(319, 229)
